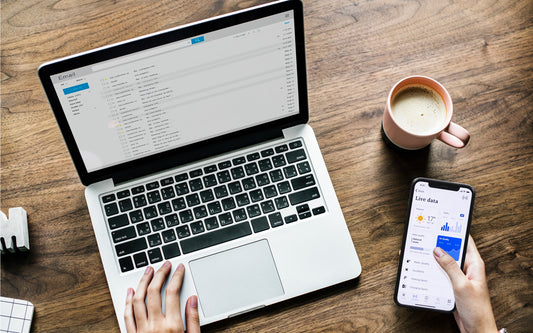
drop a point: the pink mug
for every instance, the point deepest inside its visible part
(408, 124)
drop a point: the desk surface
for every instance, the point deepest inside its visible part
(482, 51)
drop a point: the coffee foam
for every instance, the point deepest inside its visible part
(419, 110)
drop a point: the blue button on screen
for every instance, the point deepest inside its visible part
(73, 89)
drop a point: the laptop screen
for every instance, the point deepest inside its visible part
(182, 92)
(173, 94)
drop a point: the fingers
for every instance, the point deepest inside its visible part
(172, 296)
(191, 315)
(139, 307)
(449, 265)
(153, 297)
(474, 265)
(128, 313)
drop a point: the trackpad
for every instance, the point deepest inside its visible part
(236, 278)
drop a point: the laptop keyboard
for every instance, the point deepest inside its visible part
(211, 205)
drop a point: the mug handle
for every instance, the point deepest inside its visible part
(455, 136)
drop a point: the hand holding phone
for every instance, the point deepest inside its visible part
(439, 215)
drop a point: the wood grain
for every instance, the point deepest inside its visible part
(482, 51)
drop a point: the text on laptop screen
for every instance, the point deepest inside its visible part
(183, 92)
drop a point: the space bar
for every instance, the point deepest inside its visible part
(215, 237)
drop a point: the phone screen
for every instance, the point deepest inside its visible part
(439, 215)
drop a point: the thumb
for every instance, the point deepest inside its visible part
(449, 265)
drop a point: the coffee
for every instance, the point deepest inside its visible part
(419, 110)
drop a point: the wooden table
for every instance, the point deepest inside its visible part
(482, 51)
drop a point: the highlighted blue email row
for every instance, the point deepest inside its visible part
(73, 89)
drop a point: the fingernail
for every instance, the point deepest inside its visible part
(148, 270)
(166, 264)
(194, 302)
(180, 267)
(438, 252)
(130, 292)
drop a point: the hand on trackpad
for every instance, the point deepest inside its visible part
(235, 279)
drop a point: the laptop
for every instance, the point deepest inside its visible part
(194, 147)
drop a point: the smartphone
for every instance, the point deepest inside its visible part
(439, 214)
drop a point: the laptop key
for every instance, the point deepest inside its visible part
(186, 216)
(164, 208)
(251, 168)
(303, 182)
(168, 235)
(210, 180)
(223, 176)
(281, 149)
(238, 160)
(143, 228)
(111, 209)
(197, 227)
(216, 237)
(108, 198)
(237, 172)
(319, 210)
(150, 212)
(196, 185)
(171, 250)
(157, 224)
(260, 224)
(221, 191)
(154, 240)
(295, 144)
(139, 201)
(167, 181)
(118, 221)
(181, 177)
(239, 215)
(152, 185)
(256, 195)
(253, 210)
(224, 165)
(290, 171)
(267, 152)
(304, 195)
(137, 189)
(125, 205)
(265, 164)
(178, 204)
(276, 175)
(196, 173)
(284, 187)
(172, 220)
(275, 220)
(234, 187)
(132, 246)
(123, 194)
(183, 231)
(296, 156)
(126, 264)
(140, 259)
(153, 197)
(155, 255)
(211, 223)
(253, 157)
(168, 193)
(225, 219)
(123, 234)
(291, 218)
(181, 188)
(304, 167)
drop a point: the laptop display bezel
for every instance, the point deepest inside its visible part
(192, 152)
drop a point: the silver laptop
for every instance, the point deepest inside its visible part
(194, 146)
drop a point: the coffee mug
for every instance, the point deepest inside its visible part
(419, 110)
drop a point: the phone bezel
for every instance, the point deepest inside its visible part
(446, 185)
